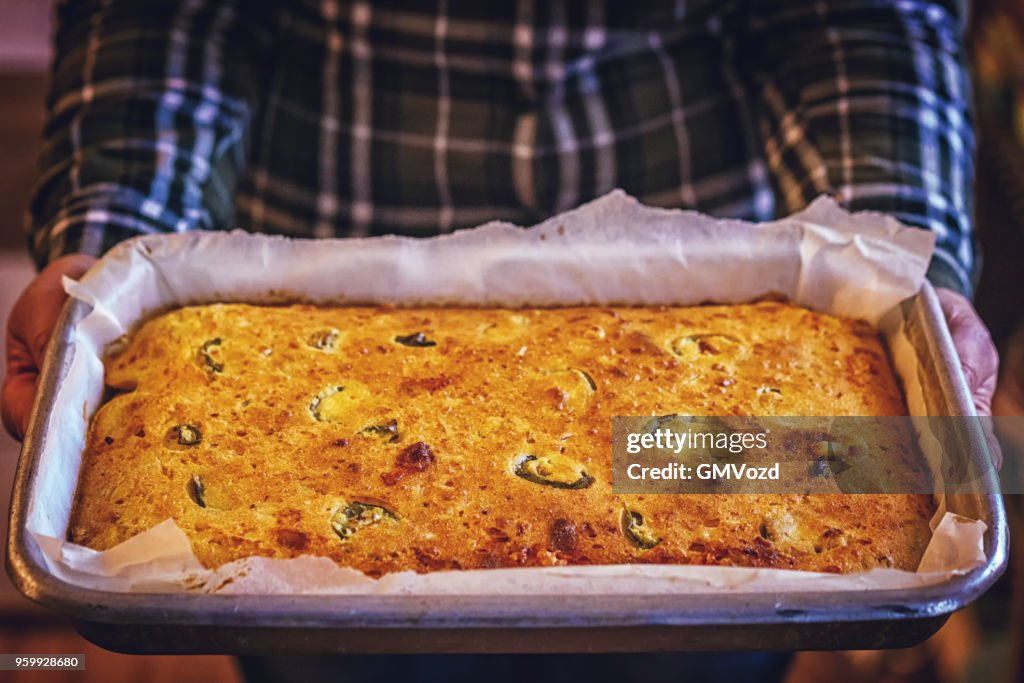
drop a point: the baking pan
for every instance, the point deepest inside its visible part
(202, 623)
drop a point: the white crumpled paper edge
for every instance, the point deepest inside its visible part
(613, 250)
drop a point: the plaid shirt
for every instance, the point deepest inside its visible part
(331, 118)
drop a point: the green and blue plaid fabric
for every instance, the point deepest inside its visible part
(329, 118)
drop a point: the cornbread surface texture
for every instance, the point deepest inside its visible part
(394, 439)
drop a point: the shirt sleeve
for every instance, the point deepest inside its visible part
(869, 100)
(148, 116)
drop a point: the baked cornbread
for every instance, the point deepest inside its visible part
(423, 439)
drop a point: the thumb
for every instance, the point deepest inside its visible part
(29, 328)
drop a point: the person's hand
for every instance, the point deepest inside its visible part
(978, 356)
(974, 345)
(29, 328)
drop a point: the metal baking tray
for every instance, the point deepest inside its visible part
(200, 623)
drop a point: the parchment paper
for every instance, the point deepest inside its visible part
(611, 251)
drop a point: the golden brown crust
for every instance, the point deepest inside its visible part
(279, 420)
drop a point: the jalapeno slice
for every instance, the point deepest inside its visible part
(636, 531)
(387, 430)
(416, 340)
(555, 470)
(197, 490)
(324, 340)
(207, 354)
(186, 435)
(355, 516)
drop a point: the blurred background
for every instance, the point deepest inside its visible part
(982, 643)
